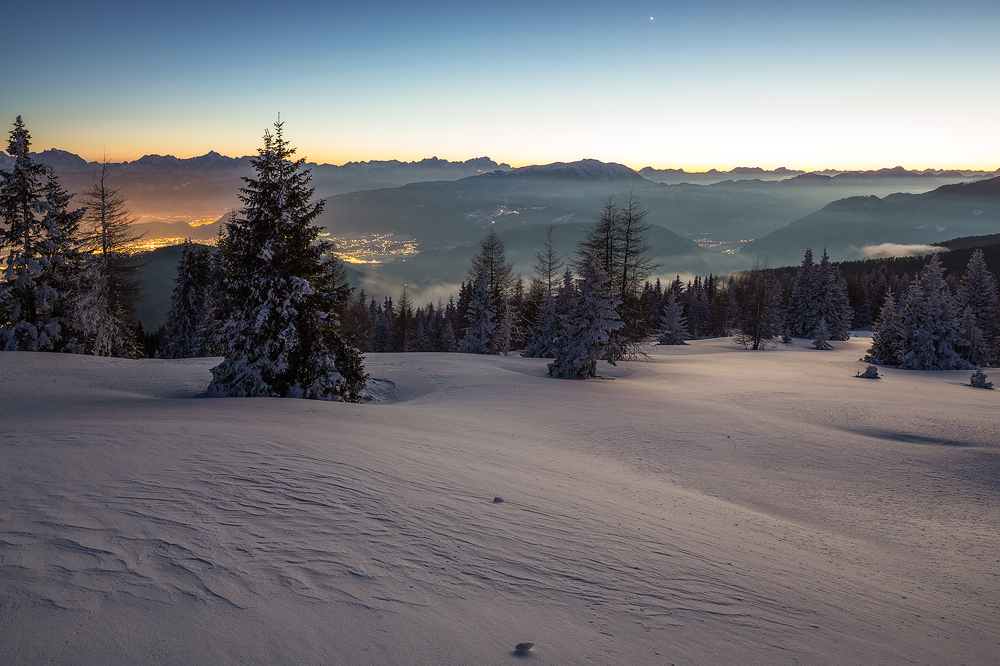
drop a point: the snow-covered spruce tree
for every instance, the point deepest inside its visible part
(546, 326)
(506, 327)
(978, 300)
(490, 264)
(758, 316)
(219, 310)
(619, 239)
(20, 192)
(672, 323)
(542, 343)
(111, 282)
(447, 340)
(60, 247)
(283, 336)
(819, 292)
(480, 316)
(187, 321)
(832, 303)
(37, 291)
(821, 336)
(586, 331)
(402, 329)
(930, 331)
(887, 335)
(802, 311)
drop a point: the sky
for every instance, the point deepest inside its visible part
(696, 85)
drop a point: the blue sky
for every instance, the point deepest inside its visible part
(696, 85)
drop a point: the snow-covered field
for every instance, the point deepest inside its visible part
(711, 506)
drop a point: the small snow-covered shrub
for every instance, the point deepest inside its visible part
(980, 380)
(871, 372)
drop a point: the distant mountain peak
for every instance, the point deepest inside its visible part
(587, 169)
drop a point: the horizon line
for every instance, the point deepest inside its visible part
(689, 169)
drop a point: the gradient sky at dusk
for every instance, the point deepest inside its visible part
(807, 84)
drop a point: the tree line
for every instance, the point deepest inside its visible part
(69, 282)
(274, 302)
(497, 312)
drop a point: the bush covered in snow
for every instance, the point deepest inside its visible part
(871, 372)
(980, 380)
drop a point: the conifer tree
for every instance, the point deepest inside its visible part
(978, 300)
(821, 336)
(672, 323)
(187, 322)
(478, 336)
(38, 287)
(542, 343)
(283, 338)
(832, 305)
(491, 262)
(447, 340)
(358, 323)
(723, 309)
(548, 263)
(697, 319)
(382, 336)
(887, 335)
(818, 293)
(506, 326)
(403, 325)
(758, 317)
(585, 335)
(802, 304)
(619, 240)
(930, 333)
(62, 249)
(111, 282)
(20, 192)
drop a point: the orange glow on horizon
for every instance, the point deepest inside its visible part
(340, 159)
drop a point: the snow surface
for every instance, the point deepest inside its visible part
(710, 506)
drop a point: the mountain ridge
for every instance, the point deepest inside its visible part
(846, 226)
(65, 161)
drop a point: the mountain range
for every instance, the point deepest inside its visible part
(164, 188)
(420, 222)
(847, 226)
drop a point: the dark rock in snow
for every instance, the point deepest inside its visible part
(523, 648)
(497, 500)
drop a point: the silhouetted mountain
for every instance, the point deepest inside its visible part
(677, 176)
(196, 189)
(442, 204)
(847, 226)
(444, 214)
(585, 170)
(209, 165)
(721, 216)
(63, 161)
(966, 242)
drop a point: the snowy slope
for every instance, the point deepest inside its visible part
(710, 506)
